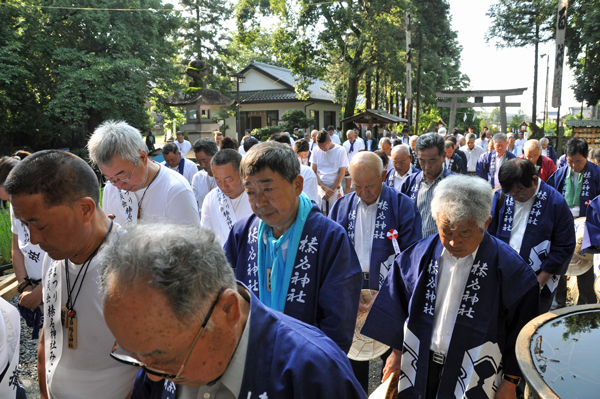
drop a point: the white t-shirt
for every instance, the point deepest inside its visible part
(358, 146)
(520, 143)
(365, 225)
(184, 147)
(169, 198)
(33, 254)
(329, 163)
(311, 187)
(335, 138)
(189, 169)
(212, 218)
(202, 184)
(88, 371)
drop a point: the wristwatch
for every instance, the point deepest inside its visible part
(22, 285)
(515, 381)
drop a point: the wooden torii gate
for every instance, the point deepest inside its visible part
(478, 94)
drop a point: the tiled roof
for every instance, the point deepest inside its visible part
(285, 77)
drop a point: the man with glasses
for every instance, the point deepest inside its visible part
(209, 336)
(56, 195)
(403, 167)
(419, 186)
(136, 187)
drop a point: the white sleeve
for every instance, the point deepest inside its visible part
(13, 221)
(343, 159)
(310, 187)
(205, 221)
(183, 208)
(190, 170)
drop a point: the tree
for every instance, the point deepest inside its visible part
(85, 66)
(583, 44)
(521, 24)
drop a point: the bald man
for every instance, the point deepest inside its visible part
(532, 150)
(380, 222)
(403, 167)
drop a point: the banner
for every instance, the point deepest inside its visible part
(561, 28)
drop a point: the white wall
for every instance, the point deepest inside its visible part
(258, 81)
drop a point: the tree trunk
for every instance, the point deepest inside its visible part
(398, 104)
(402, 102)
(368, 91)
(353, 81)
(418, 92)
(377, 89)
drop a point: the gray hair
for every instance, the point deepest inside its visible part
(401, 148)
(368, 133)
(531, 144)
(499, 137)
(471, 136)
(413, 138)
(385, 140)
(116, 138)
(350, 131)
(544, 140)
(225, 157)
(170, 148)
(594, 155)
(206, 145)
(460, 198)
(185, 263)
(431, 140)
(278, 157)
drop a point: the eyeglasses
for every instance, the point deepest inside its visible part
(119, 180)
(175, 377)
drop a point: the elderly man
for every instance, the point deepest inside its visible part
(136, 187)
(579, 183)
(489, 164)
(534, 219)
(218, 137)
(370, 142)
(511, 147)
(473, 152)
(313, 140)
(228, 203)
(403, 167)
(203, 181)
(453, 304)
(56, 194)
(183, 145)
(386, 146)
(196, 333)
(329, 162)
(452, 161)
(174, 161)
(547, 149)
(419, 186)
(532, 150)
(520, 142)
(291, 256)
(380, 223)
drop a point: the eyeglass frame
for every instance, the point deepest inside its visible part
(159, 373)
(135, 165)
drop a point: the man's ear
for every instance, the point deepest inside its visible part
(86, 207)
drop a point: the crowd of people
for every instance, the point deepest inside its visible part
(243, 279)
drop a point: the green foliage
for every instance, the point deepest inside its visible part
(72, 69)
(264, 133)
(427, 121)
(5, 236)
(583, 44)
(517, 120)
(295, 118)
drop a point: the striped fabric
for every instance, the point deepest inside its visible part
(424, 198)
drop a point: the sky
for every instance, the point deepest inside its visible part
(495, 69)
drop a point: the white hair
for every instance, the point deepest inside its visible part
(531, 144)
(115, 138)
(401, 148)
(460, 198)
(499, 137)
(442, 131)
(544, 140)
(413, 138)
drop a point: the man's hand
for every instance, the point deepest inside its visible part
(31, 298)
(365, 305)
(507, 390)
(392, 364)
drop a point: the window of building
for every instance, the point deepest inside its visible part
(193, 114)
(315, 115)
(329, 118)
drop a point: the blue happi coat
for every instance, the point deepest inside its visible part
(549, 238)
(286, 359)
(391, 174)
(486, 166)
(412, 184)
(591, 233)
(396, 214)
(325, 287)
(500, 297)
(456, 164)
(590, 186)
